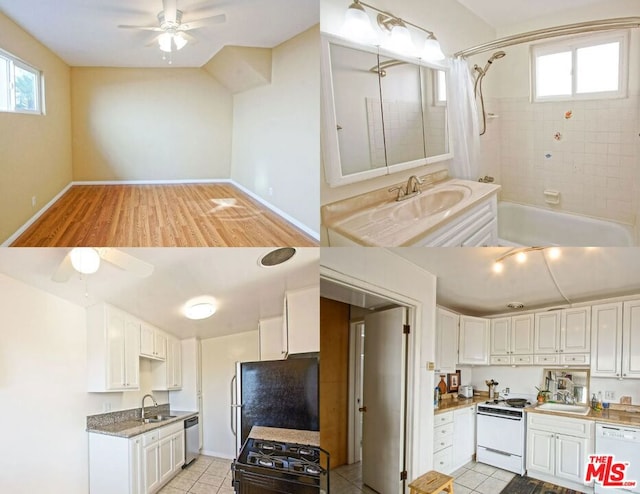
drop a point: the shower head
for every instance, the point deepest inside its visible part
(496, 56)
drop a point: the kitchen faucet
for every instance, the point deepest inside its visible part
(410, 190)
(155, 404)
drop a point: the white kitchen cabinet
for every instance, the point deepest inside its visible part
(566, 331)
(500, 336)
(606, 340)
(512, 337)
(113, 349)
(167, 374)
(547, 332)
(165, 449)
(115, 464)
(301, 326)
(153, 342)
(464, 433)
(443, 442)
(631, 340)
(270, 331)
(189, 396)
(557, 448)
(151, 466)
(474, 340)
(575, 330)
(446, 340)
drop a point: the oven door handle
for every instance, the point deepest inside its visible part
(519, 419)
(497, 451)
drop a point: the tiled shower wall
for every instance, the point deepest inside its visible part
(590, 155)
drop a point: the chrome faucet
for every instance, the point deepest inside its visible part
(410, 190)
(155, 404)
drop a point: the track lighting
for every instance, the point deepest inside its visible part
(394, 34)
(520, 256)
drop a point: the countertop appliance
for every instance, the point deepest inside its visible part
(191, 440)
(265, 467)
(275, 393)
(466, 390)
(501, 433)
(623, 442)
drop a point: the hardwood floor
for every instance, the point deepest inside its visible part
(182, 215)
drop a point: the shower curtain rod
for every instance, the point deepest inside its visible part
(552, 32)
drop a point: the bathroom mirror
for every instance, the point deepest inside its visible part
(382, 113)
(570, 383)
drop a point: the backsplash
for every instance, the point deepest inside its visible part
(103, 419)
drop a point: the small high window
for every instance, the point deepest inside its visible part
(20, 86)
(585, 67)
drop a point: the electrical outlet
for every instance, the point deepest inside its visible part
(106, 406)
(33, 201)
(609, 395)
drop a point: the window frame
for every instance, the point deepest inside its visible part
(573, 44)
(437, 84)
(13, 62)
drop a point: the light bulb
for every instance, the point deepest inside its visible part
(180, 41)
(432, 51)
(554, 253)
(498, 267)
(400, 40)
(521, 257)
(85, 260)
(164, 40)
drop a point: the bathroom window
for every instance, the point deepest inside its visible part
(440, 87)
(586, 67)
(20, 86)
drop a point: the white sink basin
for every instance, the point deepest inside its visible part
(429, 202)
(564, 408)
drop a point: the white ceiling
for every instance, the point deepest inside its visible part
(244, 291)
(85, 33)
(467, 283)
(503, 13)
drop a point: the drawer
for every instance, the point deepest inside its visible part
(442, 418)
(443, 459)
(522, 359)
(441, 441)
(575, 359)
(443, 430)
(500, 360)
(546, 359)
(150, 437)
(171, 429)
(560, 425)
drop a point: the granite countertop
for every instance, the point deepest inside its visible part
(307, 438)
(455, 403)
(369, 219)
(611, 416)
(130, 428)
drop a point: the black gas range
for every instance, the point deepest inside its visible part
(266, 467)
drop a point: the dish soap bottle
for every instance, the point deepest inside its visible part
(436, 397)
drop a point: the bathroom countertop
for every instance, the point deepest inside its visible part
(131, 428)
(368, 219)
(308, 438)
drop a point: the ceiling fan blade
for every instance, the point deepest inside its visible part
(170, 8)
(143, 28)
(205, 21)
(126, 262)
(65, 270)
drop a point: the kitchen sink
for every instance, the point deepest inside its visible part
(564, 408)
(157, 418)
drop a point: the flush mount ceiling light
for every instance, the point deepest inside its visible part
(85, 260)
(200, 308)
(398, 38)
(276, 257)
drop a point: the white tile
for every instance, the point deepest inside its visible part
(491, 486)
(471, 479)
(461, 489)
(486, 469)
(503, 475)
(199, 488)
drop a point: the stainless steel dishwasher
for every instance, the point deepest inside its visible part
(191, 440)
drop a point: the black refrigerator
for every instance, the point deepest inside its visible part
(275, 393)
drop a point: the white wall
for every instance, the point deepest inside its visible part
(381, 271)
(276, 129)
(43, 384)
(219, 357)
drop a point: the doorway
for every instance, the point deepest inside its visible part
(377, 357)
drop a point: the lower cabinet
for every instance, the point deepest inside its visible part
(139, 465)
(558, 449)
(454, 439)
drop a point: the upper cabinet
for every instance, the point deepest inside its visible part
(153, 342)
(446, 340)
(271, 338)
(615, 337)
(167, 374)
(301, 325)
(563, 337)
(547, 332)
(474, 341)
(113, 349)
(381, 113)
(512, 340)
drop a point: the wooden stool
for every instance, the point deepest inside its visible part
(431, 483)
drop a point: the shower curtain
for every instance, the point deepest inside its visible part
(463, 114)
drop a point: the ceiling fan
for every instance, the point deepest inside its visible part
(86, 260)
(173, 32)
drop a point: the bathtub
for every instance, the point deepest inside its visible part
(531, 226)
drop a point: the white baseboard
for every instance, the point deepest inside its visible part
(226, 456)
(32, 220)
(268, 205)
(279, 212)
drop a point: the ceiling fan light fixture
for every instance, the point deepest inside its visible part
(85, 260)
(180, 41)
(164, 40)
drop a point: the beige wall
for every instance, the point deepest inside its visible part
(35, 150)
(276, 132)
(149, 124)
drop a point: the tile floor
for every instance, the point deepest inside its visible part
(206, 475)
(476, 478)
